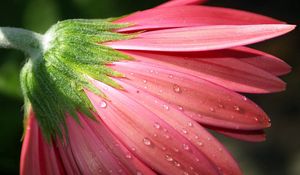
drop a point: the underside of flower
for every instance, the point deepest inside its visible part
(54, 82)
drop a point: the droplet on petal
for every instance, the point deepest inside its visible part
(147, 141)
(103, 104)
(156, 125)
(176, 88)
(185, 147)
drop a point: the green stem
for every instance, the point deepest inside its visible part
(24, 40)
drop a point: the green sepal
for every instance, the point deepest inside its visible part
(54, 82)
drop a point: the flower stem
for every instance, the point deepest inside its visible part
(24, 40)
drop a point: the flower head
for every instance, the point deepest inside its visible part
(134, 95)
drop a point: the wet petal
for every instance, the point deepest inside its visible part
(202, 100)
(132, 123)
(228, 68)
(194, 132)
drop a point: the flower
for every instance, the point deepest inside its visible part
(135, 95)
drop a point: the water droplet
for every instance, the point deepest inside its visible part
(163, 148)
(212, 109)
(145, 81)
(177, 164)
(184, 131)
(245, 98)
(147, 141)
(156, 125)
(236, 108)
(180, 108)
(208, 138)
(196, 137)
(170, 76)
(190, 124)
(166, 107)
(168, 158)
(103, 104)
(176, 88)
(128, 156)
(176, 150)
(185, 146)
(256, 119)
(220, 105)
(167, 136)
(154, 135)
(165, 130)
(200, 143)
(185, 173)
(133, 149)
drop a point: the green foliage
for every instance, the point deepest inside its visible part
(54, 82)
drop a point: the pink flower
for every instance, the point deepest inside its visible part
(188, 69)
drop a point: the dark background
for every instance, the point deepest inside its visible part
(280, 154)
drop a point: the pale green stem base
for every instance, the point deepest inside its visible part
(24, 40)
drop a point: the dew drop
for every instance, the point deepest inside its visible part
(190, 124)
(245, 98)
(177, 164)
(154, 135)
(220, 105)
(256, 119)
(180, 108)
(185, 173)
(166, 107)
(185, 146)
(103, 104)
(128, 156)
(145, 81)
(156, 125)
(237, 108)
(147, 141)
(176, 150)
(212, 109)
(176, 88)
(133, 149)
(168, 158)
(200, 143)
(170, 76)
(184, 131)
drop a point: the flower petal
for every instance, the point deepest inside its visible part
(201, 38)
(99, 152)
(225, 68)
(262, 60)
(175, 3)
(194, 132)
(203, 101)
(38, 157)
(187, 16)
(133, 125)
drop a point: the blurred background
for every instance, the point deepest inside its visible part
(279, 155)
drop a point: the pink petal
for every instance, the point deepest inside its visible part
(132, 123)
(263, 61)
(203, 101)
(194, 132)
(174, 3)
(38, 157)
(201, 38)
(187, 16)
(244, 135)
(98, 152)
(225, 68)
